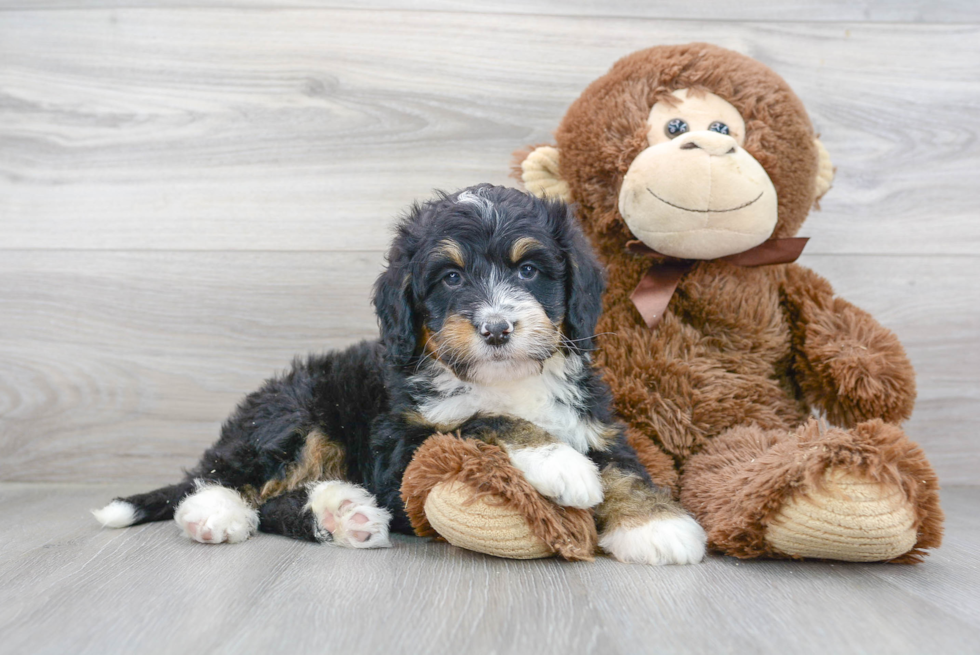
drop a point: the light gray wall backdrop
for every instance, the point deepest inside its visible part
(193, 192)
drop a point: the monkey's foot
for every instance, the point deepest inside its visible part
(862, 494)
(481, 526)
(469, 493)
(847, 517)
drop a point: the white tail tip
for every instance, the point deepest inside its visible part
(117, 514)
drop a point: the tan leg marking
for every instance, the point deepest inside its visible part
(321, 459)
(629, 502)
(642, 525)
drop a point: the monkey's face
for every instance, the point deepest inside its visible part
(695, 192)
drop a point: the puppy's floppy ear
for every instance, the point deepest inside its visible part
(584, 282)
(394, 304)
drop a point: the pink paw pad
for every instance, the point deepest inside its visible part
(330, 521)
(199, 531)
(350, 515)
(359, 534)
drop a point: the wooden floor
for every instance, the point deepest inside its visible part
(69, 586)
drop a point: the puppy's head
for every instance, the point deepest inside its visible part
(489, 281)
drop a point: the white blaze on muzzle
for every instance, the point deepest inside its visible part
(532, 337)
(508, 303)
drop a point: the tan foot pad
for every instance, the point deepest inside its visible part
(851, 519)
(482, 527)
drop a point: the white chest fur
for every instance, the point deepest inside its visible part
(551, 400)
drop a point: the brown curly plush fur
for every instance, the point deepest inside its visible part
(727, 382)
(486, 470)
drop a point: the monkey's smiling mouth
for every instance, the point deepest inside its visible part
(705, 211)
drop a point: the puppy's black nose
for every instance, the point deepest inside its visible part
(496, 333)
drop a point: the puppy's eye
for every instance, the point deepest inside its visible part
(453, 279)
(718, 127)
(676, 127)
(527, 272)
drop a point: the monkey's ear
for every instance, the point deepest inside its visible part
(825, 172)
(540, 173)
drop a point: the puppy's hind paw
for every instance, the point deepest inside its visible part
(214, 514)
(348, 515)
(671, 540)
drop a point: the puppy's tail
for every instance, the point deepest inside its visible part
(156, 505)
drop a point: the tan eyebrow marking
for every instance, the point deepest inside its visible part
(523, 246)
(450, 249)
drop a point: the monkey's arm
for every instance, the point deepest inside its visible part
(845, 362)
(555, 469)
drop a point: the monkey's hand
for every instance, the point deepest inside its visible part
(848, 364)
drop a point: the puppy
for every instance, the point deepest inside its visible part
(487, 310)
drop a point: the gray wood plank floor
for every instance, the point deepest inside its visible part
(68, 586)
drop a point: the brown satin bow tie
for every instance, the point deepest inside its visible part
(657, 285)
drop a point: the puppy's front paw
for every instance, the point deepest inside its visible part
(561, 473)
(348, 515)
(671, 540)
(214, 514)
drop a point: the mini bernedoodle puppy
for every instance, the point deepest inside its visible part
(487, 311)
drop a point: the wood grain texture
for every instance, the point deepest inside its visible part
(189, 195)
(121, 365)
(124, 364)
(891, 11)
(309, 129)
(67, 586)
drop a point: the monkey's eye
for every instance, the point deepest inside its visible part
(718, 127)
(453, 279)
(527, 272)
(676, 127)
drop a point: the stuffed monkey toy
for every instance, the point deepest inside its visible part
(772, 406)
(693, 168)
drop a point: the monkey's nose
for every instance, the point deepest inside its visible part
(713, 143)
(496, 333)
